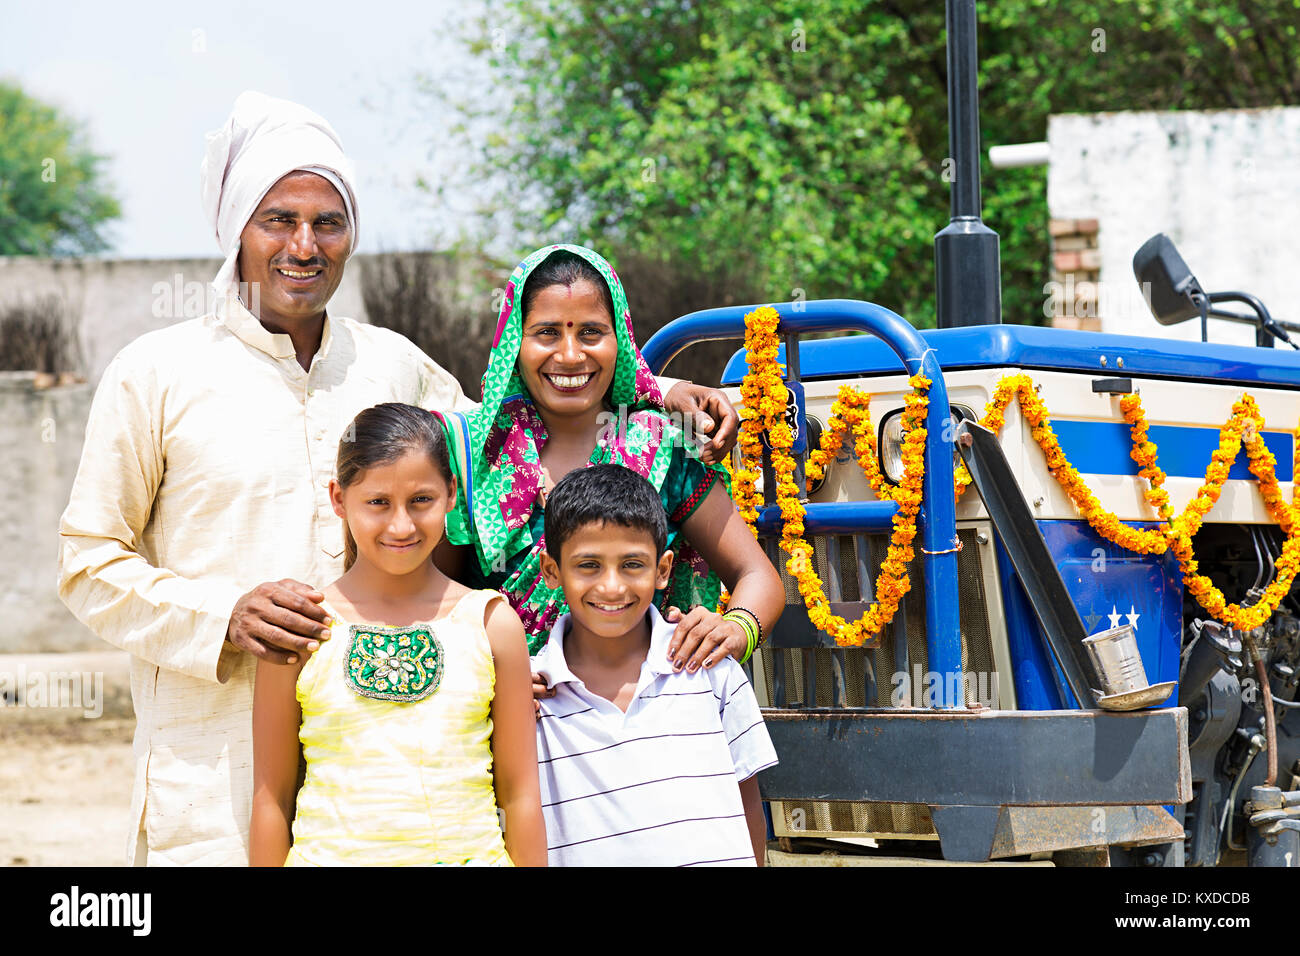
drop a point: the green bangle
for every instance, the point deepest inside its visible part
(745, 624)
(749, 649)
(751, 633)
(758, 625)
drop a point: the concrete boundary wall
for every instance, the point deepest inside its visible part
(118, 300)
(41, 434)
(42, 429)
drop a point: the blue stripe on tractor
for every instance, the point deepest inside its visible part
(1102, 448)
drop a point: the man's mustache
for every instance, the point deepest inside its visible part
(295, 264)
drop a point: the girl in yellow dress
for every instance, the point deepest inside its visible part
(415, 717)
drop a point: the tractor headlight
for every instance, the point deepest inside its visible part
(891, 446)
(891, 440)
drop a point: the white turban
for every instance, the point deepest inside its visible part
(263, 141)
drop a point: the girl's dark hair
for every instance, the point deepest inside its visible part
(381, 435)
(563, 267)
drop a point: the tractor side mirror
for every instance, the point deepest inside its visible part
(1173, 289)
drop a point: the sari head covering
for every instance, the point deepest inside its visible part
(496, 452)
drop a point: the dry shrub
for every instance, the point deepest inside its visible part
(440, 302)
(40, 334)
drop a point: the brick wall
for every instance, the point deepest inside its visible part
(1076, 265)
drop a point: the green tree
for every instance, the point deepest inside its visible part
(801, 143)
(53, 198)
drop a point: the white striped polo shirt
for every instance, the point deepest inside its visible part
(658, 785)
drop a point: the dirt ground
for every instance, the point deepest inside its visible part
(65, 790)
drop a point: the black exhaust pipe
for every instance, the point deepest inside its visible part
(968, 284)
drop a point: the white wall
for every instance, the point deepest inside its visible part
(1225, 186)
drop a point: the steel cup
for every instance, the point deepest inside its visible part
(1114, 655)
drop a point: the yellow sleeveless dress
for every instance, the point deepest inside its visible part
(394, 783)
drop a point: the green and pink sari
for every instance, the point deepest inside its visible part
(496, 454)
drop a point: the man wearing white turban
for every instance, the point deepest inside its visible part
(204, 475)
(264, 139)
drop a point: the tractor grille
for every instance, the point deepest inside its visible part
(825, 819)
(854, 677)
(863, 667)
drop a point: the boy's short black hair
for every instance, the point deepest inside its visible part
(599, 494)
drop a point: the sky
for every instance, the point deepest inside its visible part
(150, 77)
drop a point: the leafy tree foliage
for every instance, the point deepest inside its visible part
(53, 198)
(799, 146)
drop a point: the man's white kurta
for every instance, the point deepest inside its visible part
(205, 472)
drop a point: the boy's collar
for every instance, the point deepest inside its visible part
(550, 662)
(661, 633)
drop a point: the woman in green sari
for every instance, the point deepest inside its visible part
(566, 387)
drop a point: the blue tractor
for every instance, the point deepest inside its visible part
(980, 724)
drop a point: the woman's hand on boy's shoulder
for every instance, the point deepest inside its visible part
(703, 638)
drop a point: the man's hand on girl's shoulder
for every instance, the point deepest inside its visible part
(279, 620)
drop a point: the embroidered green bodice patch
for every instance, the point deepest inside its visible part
(393, 663)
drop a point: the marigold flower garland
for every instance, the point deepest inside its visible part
(765, 396)
(1105, 523)
(850, 413)
(1243, 427)
(1173, 532)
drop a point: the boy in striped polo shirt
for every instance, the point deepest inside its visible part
(639, 764)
